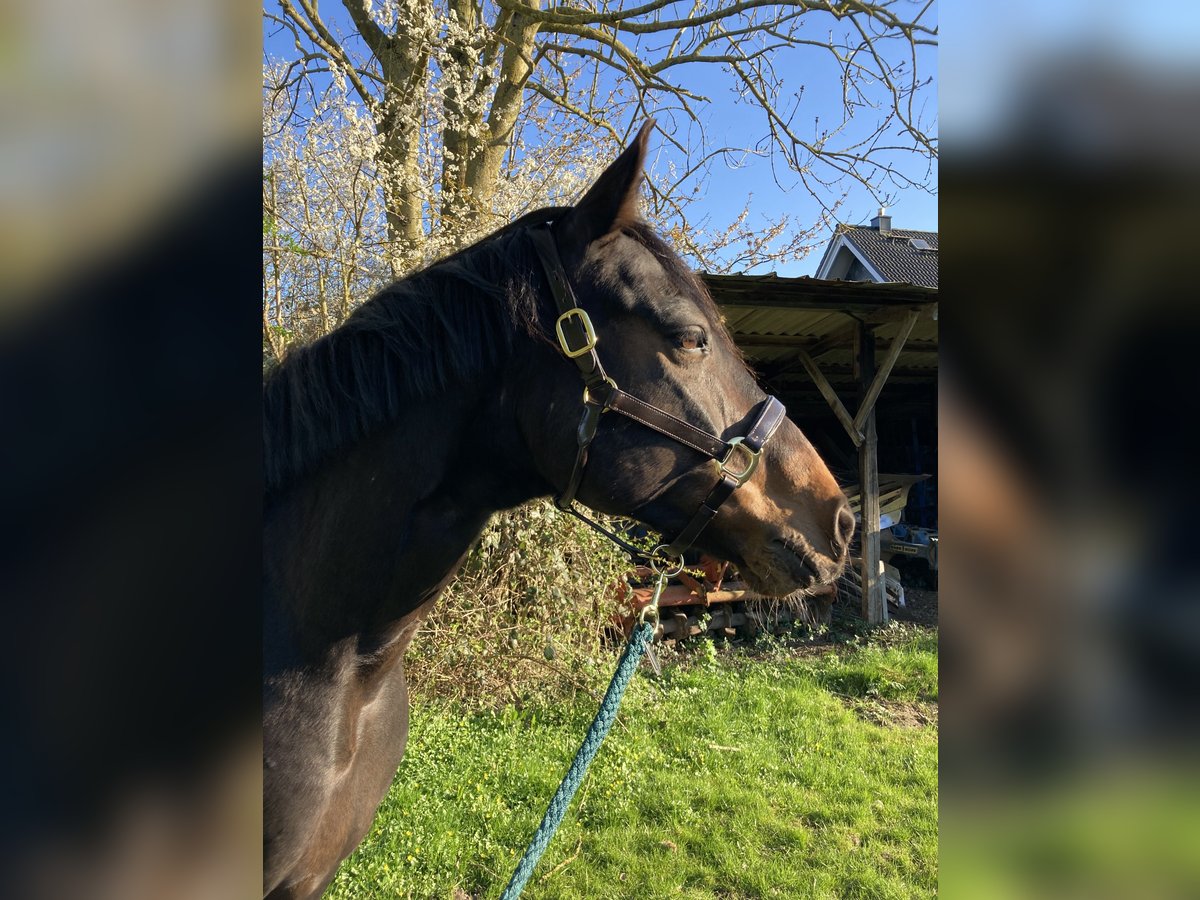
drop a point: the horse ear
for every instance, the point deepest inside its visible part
(613, 200)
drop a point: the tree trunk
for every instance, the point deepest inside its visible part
(405, 65)
(323, 297)
(483, 167)
(457, 145)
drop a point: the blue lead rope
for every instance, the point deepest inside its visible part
(638, 641)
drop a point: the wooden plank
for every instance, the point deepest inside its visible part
(868, 404)
(726, 596)
(874, 595)
(831, 397)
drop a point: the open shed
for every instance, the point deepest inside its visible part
(856, 365)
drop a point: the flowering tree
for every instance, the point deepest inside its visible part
(398, 130)
(329, 239)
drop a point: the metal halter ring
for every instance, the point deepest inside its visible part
(649, 616)
(587, 394)
(665, 563)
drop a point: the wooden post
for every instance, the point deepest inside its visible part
(874, 591)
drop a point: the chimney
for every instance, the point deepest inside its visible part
(882, 222)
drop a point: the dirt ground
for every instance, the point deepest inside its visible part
(894, 713)
(921, 607)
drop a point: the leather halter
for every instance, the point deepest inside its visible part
(577, 340)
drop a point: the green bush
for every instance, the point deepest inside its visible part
(525, 619)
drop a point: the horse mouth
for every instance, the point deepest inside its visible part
(785, 566)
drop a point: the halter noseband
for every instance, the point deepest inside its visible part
(736, 459)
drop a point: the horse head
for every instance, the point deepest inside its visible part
(662, 339)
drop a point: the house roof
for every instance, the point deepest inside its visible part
(893, 254)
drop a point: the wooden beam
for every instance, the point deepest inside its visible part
(881, 377)
(752, 300)
(811, 293)
(835, 340)
(830, 396)
(770, 340)
(900, 377)
(815, 348)
(912, 345)
(788, 365)
(832, 341)
(889, 412)
(835, 370)
(899, 313)
(874, 588)
(792, 367)
(798, 387)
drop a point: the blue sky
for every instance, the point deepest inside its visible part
(730, 122)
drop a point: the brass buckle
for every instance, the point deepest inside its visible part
(588, 332)
(743, 476)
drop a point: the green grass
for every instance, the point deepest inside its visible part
(730, 777)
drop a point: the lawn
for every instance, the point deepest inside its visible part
(782, 772)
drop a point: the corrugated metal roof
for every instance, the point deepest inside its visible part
(771, 316)
(813, 293)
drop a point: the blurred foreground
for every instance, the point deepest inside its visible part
(1070, 615)
(129, 372)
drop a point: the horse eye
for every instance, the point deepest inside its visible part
(693, 340)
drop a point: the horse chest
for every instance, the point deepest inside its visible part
(324, 785)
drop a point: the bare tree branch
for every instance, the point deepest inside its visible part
(312, 26)
(450, 115)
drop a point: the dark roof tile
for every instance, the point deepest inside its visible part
(894, 256)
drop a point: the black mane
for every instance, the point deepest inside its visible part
(443, 325)
(447, 324)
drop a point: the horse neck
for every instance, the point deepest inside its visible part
(352, 551)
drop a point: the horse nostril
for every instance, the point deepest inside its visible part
(843, 528)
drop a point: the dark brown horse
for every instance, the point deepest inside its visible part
(443, 399)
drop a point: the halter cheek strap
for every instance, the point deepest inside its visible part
(736, 459)
(735, 469)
